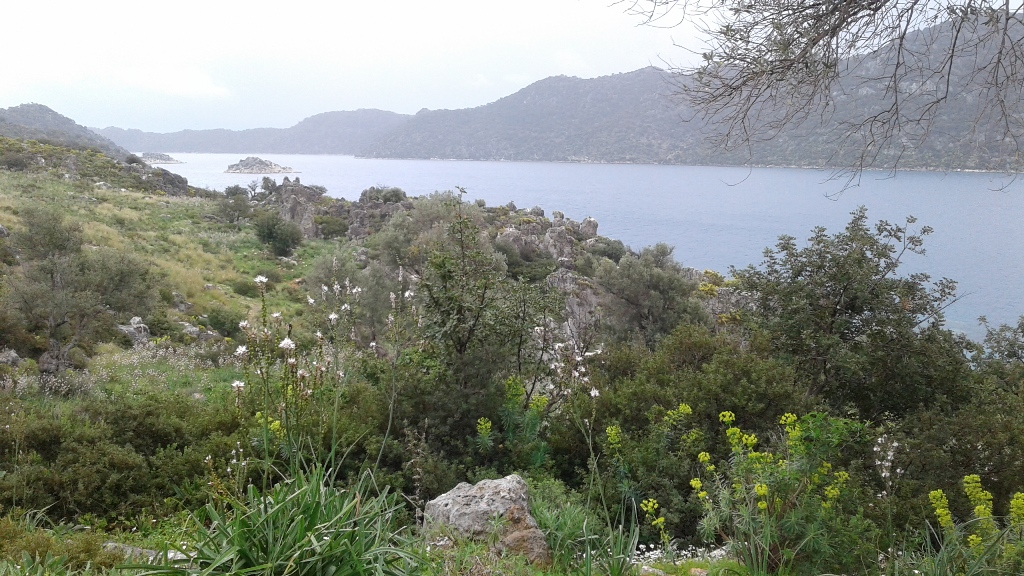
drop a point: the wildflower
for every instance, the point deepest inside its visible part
(704, 457)
(237, 385)
(302, 374)
(788, 419)
(726, 417)
(594, 393)
(241, 350)
(409, 294)
(260, 280)
(332, 317)
(941, 507)
(276, 315)
(319, 335)
(483, 427)
(324, 288)
(243, 324)
(762, 505)
(345, 307)
(310, 300)
(286, 344)
(291, 361)
(696, 484)
(761, 490)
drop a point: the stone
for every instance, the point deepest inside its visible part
(512, 237)
(649, 571)
(298, 204)
(4, 233)
(697, 572)
(9, 357)
(557, 218)
(470, 510)
(558, 242)
(136, 330)
(180, 304)
(588, 228)
(189, 329)
(158, 158)
(136, 553)
(536, 212)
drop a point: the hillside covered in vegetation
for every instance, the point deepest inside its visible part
(270, 380)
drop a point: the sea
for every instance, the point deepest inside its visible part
(719, 217)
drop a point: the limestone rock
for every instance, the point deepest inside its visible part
(536, 212)
(298, 203)
(9, 357)
(557, 218)
(4, 233)
(649, 571)
(158, 158)
(136, 330)
(470, 510)
(558, 242)
(588, 228)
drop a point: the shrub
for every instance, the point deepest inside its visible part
(303, 526)
(283, 236)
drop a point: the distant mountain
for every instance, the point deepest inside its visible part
(37, 122)
(621, 118)
(633, 117)
(327, 133)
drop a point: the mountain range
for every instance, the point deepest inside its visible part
(633, 117)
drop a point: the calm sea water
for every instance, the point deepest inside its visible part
(718, 217)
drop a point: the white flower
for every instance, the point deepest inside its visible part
(260, 280)
(594, 393)
(276, 315)
(310, 300)
(241, 350)
(302, 374)
(409, 293)
(324, 288)
(319, 336)
(243, 324)
(287, 344)
(356, 290)
(237, 385)
(291, 361)
(345, 307)
(332, 317)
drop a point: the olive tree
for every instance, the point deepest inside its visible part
(66, 293)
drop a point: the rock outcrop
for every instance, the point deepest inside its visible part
(136, 330)
(9, 357)
(299, 203)
(254, 165)
(470, 510)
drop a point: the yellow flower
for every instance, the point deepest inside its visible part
(726, 417)
(762, 505)
(788, 419)
(614, 436)
(761, 490)
(704, 457)
(649, 506)
(483, 427)
(941, 507)
(1017, 509)
(696, 484)
(974, 540)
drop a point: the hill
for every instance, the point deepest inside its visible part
(37, 122)
(620, 118)
(347, 132)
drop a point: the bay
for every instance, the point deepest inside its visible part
(717, 217)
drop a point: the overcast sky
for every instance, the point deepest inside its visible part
(177, 64)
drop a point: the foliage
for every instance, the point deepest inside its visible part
(301, 526)
(653, 297)
(860, 336)
(283, 236)
(790, 511)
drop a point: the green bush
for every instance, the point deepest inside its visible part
(281, 235)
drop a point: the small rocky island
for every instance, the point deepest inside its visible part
(158, 158)
(254, 165)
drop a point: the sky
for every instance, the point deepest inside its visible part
(185, 64)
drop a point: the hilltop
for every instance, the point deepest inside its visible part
(37, 122)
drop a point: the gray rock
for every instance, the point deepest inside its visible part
(588, 228)
(4, 233)
(470, 510)
(180, 304)
(136, 330)
(190, 330)
(557, 218)
(512, 237)
(511, 207)
(298, 204)
(536, 211)
(9, 357)
(558, 242)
